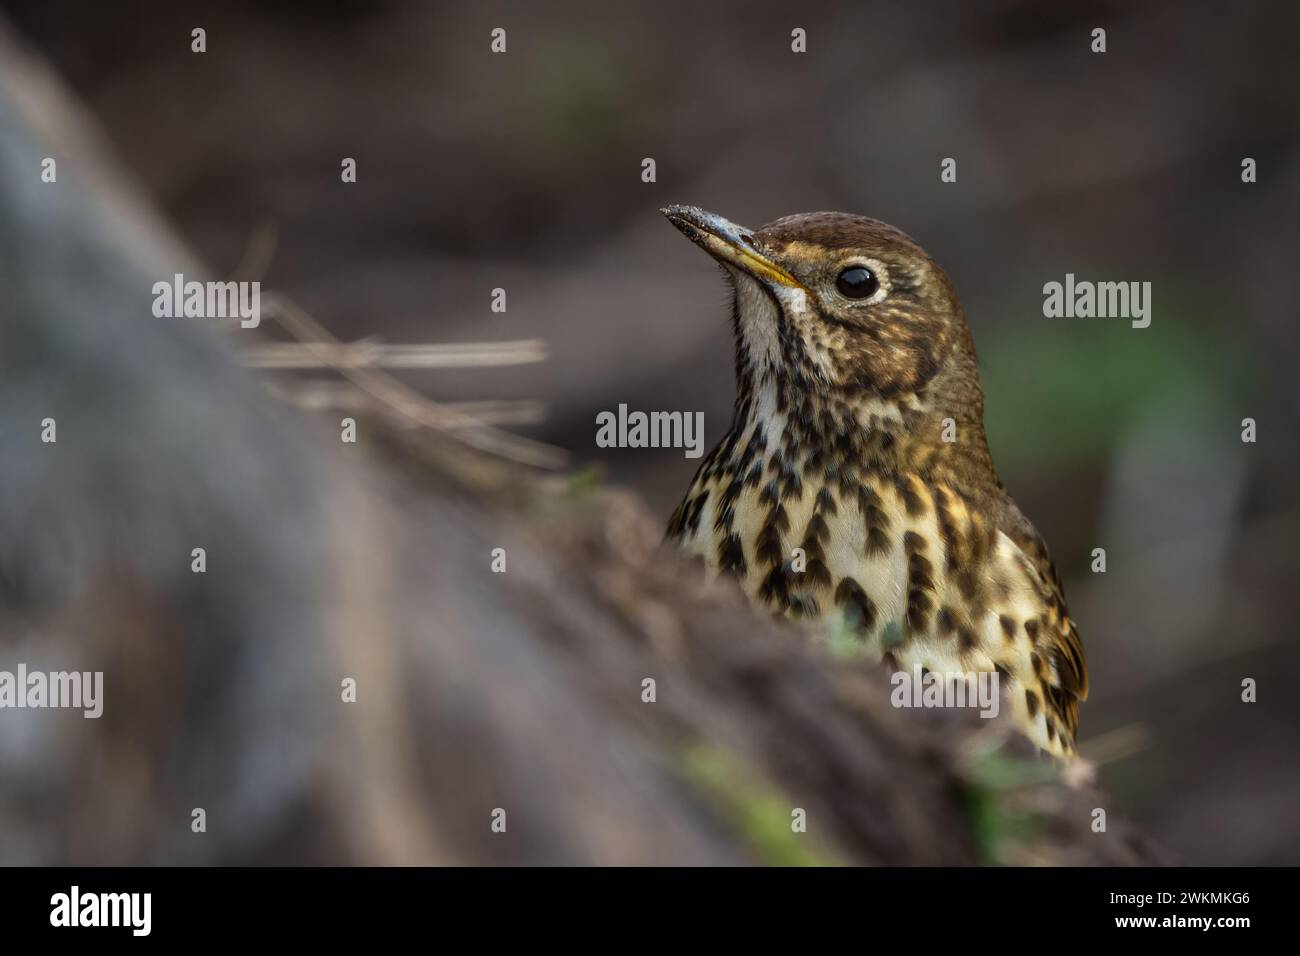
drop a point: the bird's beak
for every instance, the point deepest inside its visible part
(727, 242)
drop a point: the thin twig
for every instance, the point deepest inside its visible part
(366, 354)
(402, 401)
(332, 396)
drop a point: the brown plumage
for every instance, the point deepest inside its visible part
(856, 478)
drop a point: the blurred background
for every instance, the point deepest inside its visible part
(523, 171)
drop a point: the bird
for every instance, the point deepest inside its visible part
(856, 481)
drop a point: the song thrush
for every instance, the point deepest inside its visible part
(858, 438)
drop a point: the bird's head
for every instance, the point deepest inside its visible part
(843, 307)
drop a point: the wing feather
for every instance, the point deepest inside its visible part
(1065, 682)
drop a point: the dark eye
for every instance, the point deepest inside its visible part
(857, 282)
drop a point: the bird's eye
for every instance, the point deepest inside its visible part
(857, 282)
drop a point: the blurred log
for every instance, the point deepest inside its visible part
(476, 691)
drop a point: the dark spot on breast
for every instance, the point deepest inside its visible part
(918, 612)
(876, 521)
(818, 530)
(817, 572)
(793, 485)
(731, 554)
(859, 610)
(966, 638)
(731, 493)
(1031, 701)
(967, 583)
(920, 571)
(1039, 665)
(802, 604)
(776, 585)
(914, 503)
(697, 506)
(767, 544)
